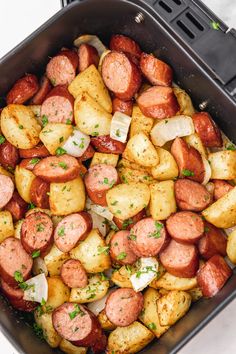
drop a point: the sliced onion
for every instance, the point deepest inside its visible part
(120, 126)
(146, 273)
(207, 168)
(77, 143)
(97, 306)
(210, 187)
(171, 128)
(37, 290)
(101, 59)
(99, 223)
(92, 40)
(102, 211)
(39, 266)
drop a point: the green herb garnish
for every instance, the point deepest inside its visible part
(35, 254)
(187, 173)
(60, 151)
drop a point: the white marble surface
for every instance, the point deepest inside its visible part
(19, 19)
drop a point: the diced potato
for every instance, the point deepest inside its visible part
(36, 109)
(54, 260)
(163, 291)
(223, 164)
(170, 282)
(196, 294)
(58, 292)
(162, 203)
(95, 290)
(90, 81)
(126, 200)
(54, 135)
(36, 210)
(130, 172)
(17, 228)
(24, 179)
(167, 167)
(173, 306)
(90, 117)
(149, 315)
(66, 198)
(68, 348)
(195, 141)
(231, 247)
(222, 213)
(121, 277)
(185, 102)
(108, 159)
(6, 225)
(140, 150)
(109, 236)
(92, 253)
(19, 126)
(44, 321)
(104, 321)
(130, 339)
(140, 123)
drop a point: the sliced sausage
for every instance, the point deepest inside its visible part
(156, 71)
(37, 233)
(58, 105)
(98, 180)
(191, 195)
(120, 250)
(213, 242)
(73, 274)
(61, 69)
(14, 258)
(123, 306)
(72, 229)
(24, 89)
(38, 151)
(158, 102)
(9, 155)
(180, 259)
(74, 322)
(121, 75)
(88, 55)
(100, 345)
(189, 160)
(147, 237)
(29, 164)
(207, 130)
(16, 206)
(39, 193)
(213, 275)
(221, 188)
(6, 190)
(57, 168)
(129, 223)
(185, 226)
(44, 88)
(107, 145)
(88, 154)
(121, 43)
(125, 107)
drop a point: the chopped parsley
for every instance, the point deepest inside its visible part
(115, 202)
(34, 161)
(61, 231)
(114, 227)
(152, 326)
(231, 147)
(95, 134)
(145, 271)
(128, 268)
(81, 145)
(40, 227)
(31, 206)
(68, 121)
(18, 276)
(118, 212)
(63, 165)
(38, 331)
(61, 139)
(35, 254)
(103, 276)
(75, 143)
(118, 133)
(132, 237)
(91, 296)
(187, 173)
(53, 81)
(126, 223)
(77, 311)
(2, 139)
(20, 126)
(215, 25)
(103, 249)
(124, 179)
(60, 151)
(121, 256)
(96, 126)
(44, 120)
(157, 232)
(106, 181)
(206, 229)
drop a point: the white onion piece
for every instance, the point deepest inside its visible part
(101, 59)
(210, 187)
(39, 266)
(146, 273)
(38, 289)
(171, 128)
(97, 306)
(99, 223)
(207, 168)
(92, 40)
(102, 211)
(120, 126)
(77, 143)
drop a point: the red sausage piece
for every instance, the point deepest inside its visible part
(72, 229)
(73, 274)
(24, 89)
(44, 88)
(107, 145)
(120, 250)
(156, 71)
(213, 275)
(29, 164)
(180, 260)
(123, 306)
(207, 130)
(17, 206)
(158, 102)
(9, 155)
(6, 190)
(125, 107)
(213, 242)
(129, 223)
(88, 154)
(37, 151)
(39, 193)
(221, 188)
(125, 44)
(14, 258)
(88, 55)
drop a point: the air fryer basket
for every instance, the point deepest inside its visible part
(198, 55)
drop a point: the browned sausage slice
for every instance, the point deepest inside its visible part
(17, 206)
(37, 233)
(180, 260)
(213, 242)
(74, 322)
(88, 55)
(58, 105)
(88, 154)
(213, 275)
(44, 88)
(29, 164)
(121, 75)
(221, 188)
(98, 180)
(38, 151)
(39, 193)
(72, 229)
(9, 155)
(24, 89)
(73, 274)
(14, 258)
(125, 107)
(185, 226)
(129, 223)
(123, 306)
(120, 250)
(191, 195)
(189, 160)
(207, 130)
(107, 145)
(156, 71)
(121, 43)
(61, 69)
(57, 168)
(100, 345)
(147, 237)
(6, 190)
(158, 102)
